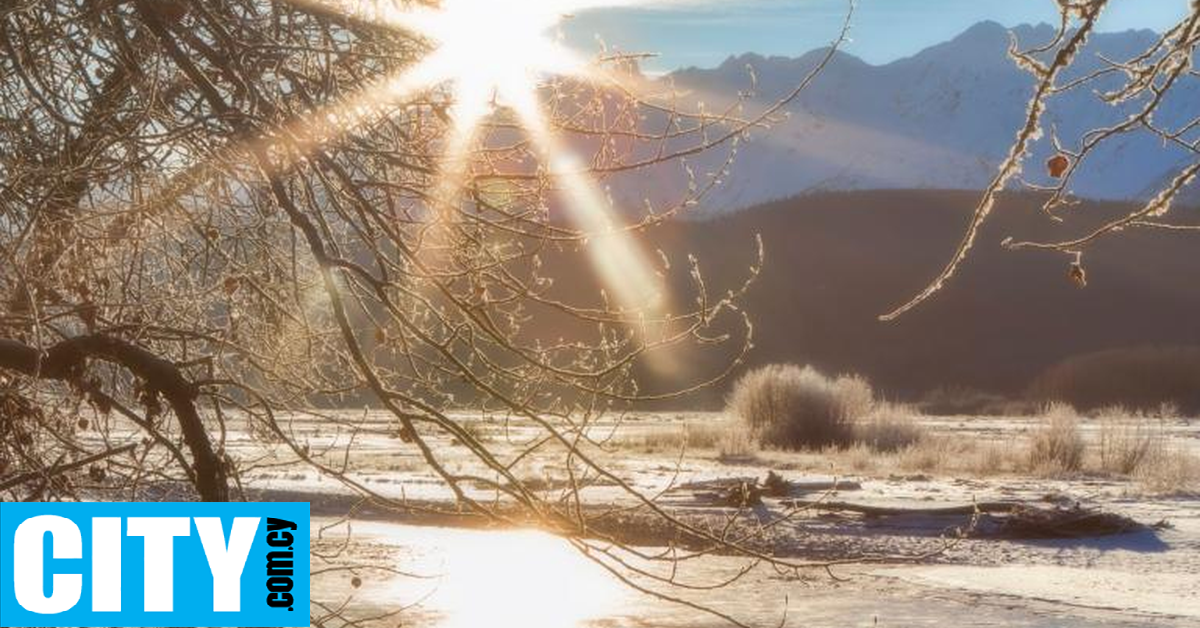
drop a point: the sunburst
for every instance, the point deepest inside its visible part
(494, 56)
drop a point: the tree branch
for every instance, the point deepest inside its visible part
(65, 361)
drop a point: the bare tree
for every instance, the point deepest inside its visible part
(220, 217)
(1139, 86)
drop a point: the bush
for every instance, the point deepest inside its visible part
(790, 407)
(737, 445)
(1170, 470)
(889, 428)
(1129, 441)
(1136, 444)
(1058, 444)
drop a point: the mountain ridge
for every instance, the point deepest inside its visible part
(942, 118)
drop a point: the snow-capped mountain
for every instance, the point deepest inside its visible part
(942, 118)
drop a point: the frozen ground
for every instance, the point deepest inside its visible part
(483, 578)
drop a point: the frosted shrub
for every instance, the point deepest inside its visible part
(1058, 444)
(1129, 441)
(792, 407)
(889, 428)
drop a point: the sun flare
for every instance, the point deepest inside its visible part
(490, 53)
(470, 580)
(494, 56)
(495, 52)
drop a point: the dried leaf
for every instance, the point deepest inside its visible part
(1057, 165)
(1078, 275)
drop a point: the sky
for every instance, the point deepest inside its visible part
(705, 32)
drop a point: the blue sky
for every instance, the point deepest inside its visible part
(704, 32)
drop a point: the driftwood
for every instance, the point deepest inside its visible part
(743, 492)
(1003, 519)
(773, 485)
(886, 511)
(1019, 521)
(1065, 523)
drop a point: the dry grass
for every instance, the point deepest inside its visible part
(656, 440)
(858, 458)
(794, 408)
(934, 454)
(1136, 444)
(1171, 471)
(729, 439)
(1128, 444)
(992, 458)
(681, 436)
(945, 454)
(892, 439)
(889, 428)
(1129, 441)
(1057, 445)
(737, 444)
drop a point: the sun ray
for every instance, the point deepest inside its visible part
(623, 267)
(494, 56)
(295, 140)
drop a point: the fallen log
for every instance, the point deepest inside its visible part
(1015, 521)
(888, 511)
(740, 492)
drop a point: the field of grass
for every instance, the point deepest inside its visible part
(1155, 455)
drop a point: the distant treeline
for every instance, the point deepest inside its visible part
(1140, 378)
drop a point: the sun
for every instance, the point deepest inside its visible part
(495, 52)
(492, 55)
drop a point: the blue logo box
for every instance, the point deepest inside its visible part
(154, 564)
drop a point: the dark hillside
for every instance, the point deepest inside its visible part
(835, 261)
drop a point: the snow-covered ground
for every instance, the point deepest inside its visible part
(489, 578)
